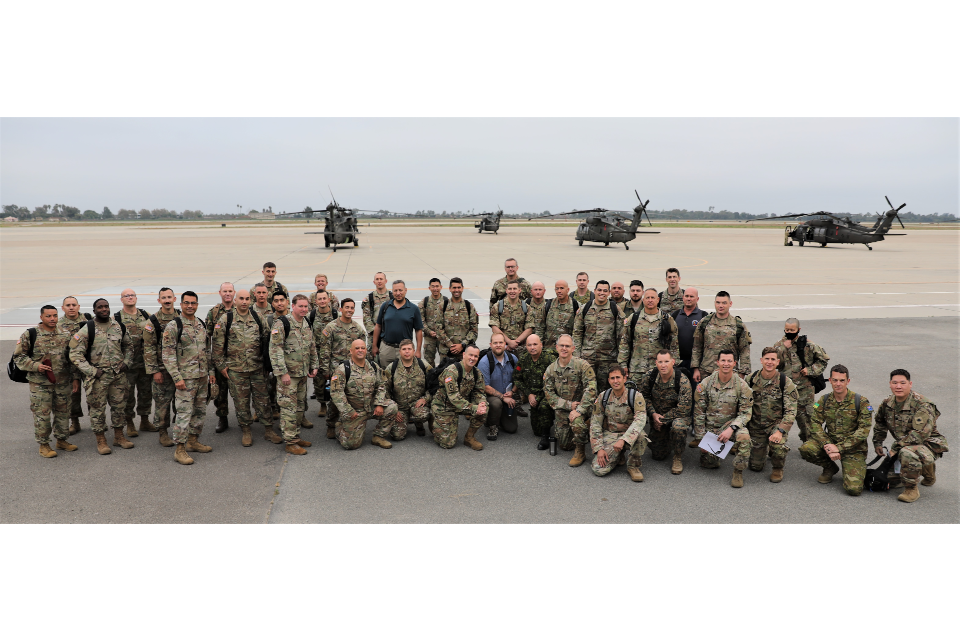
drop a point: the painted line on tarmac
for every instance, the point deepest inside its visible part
(788, 307)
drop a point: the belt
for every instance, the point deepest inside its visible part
(390, 344)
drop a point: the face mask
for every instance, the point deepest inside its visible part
(792, 336)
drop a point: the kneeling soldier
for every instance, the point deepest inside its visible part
(775, 400)
(723, 405)
(460, 393)
(358, 390)
(532, 365)
(619, 415)
(570, 387)
(406, 384)
(293, 354)
(669, 399)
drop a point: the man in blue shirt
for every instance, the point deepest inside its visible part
(497, 368)
(396, 320)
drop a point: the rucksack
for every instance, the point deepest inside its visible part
(631, 397)
(433, 376)
(347, 369)
(519, 280)
(488, 354)
(396, 364)
(180, 327)
(313, 316)
(783, 382)
(613, 309)
(370, 300)
(146, 315)
(157, 330)
(92, 332)
(226, 330)
(546, 308)
(677, 372)
(663, 338)
(14, 372)
(878, 480)
(465, 301)
(445, 301)
(740, 329)
(502, 301)
(660, 297)
(819, 383)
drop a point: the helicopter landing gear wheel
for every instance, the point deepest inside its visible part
(356, 242)
(869, 247)
(334, 248)
(480, 230)
(626, 246)
(823, 244)
(800, 242)
(606, 244)
(581, 243)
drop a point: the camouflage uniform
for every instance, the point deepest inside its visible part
(453, 401)
(295, 355)
(499, 289)
(189, 361)
(771, 409)
(596, 339)
(529, 380)
(676, 409)
(817, 360)
(406, 387)
(111, 349)
(841, 425)
(333, 347)
(431, 310)
(334, 303)
(534, 320)
(218, 314)
(564, 385)
(512, 321)
(619, 421)
(137, 377)
(69, 327)
(163, 392)
(460, 326)
(370, 312)
(241, 356)
(714, 335)
(557, 320)
(320, 320)
(670, 302)
(913, 425)
(628, 310)
(272, 289)
(718, 405)
(646, 343)
(581, 299)
(360, 395)
(48, 399)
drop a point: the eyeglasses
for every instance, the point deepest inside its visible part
(129, 295)
(190, 304)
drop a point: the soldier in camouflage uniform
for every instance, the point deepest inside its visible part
(138, 380)
(499, 289)
(558, 316)
(839, 428)
(431, 310)
(616, 294)
(320, 282)
(723, 405)
(774, 410)
(639, 342)
(294, 358)
(214, 317)
(163, 387)
(333, 347)
(280, 304)
(104, 373)
(260, 302)
(669, 399)
(582, 293)
(816, 360)
(460, 325)
(69, 324)
(528, 380)
(239, 360)
(512, 320)
(596, 333)
(361, 396)
(460, 393)
(370, 307)
(672, 298)
(616, 426)
(718, 331)
(570, 387)
(269, 281)
(634, 302)
(405, 382)
(912, 421)
(321, 315)
(48, 399)
(535, 309)
(187, 360)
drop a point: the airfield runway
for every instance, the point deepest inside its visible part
(896, 306)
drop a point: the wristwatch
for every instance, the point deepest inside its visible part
(781, 431)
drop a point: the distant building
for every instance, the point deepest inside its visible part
(11, 219)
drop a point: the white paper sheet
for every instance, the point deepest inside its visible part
(710, 444)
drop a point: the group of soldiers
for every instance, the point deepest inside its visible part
(613, 366)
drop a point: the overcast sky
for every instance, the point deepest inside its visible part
(753, 165)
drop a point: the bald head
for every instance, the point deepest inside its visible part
(534, 346)
(128, 298)
(537, 290)
(562, 289)
(358, 351)
(690, 298)
(243, 300)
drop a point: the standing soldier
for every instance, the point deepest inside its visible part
(774, 410)
(617, 291)
(431, 311)
(214, 316)
(138, 380)
(269, 281)
(633, 304)
(499, 290)
(237, 354)
(261, 304)
(643, 335)
(358, 389)
(570, 387)
(279, 302)
(559, 315)
(801, 359)
(370, 307)
(321, 315)
(405, 381)
(839, 428)
(672, 299)
(617, 421)
(293, 354)
(508, 317)
(320, 282)
(102, 351)
(333, 348)
(583, 295)
(186, 358)
(529, 384)
(716, 332)
(163, 387)
(596, 333)
(41, 352)
(669, 399)
(460, 393)
(535, 308)
(460, 325)
(723, 405)
(912, 421)
(70, 323)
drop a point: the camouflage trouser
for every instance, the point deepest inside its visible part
(760, 445)
(569, 433)
(246, 386)
(163, 393)
(445, 427)
(112, 388)
(320, 389)
(912, 459)
(636, 376)
(669, 438)
(76, 403)
(292, 399)
(541, 418)
(633, 454)
(497, 417)
(370, 347)
(272, 388)
(430, 349)
(139, 383)
(398, 430)
(350, 430)
(50, 401)
(804, 409)
(191, 409)
(853, 464)
(333, 415)
(602, 369)
(741, 450)
(220, 401)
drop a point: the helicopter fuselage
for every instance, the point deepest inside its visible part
(824, 233)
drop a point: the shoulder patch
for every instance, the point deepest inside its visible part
(76, 336)
(333, 378)
(275, 331)
(699, 388)
(148, 327)
(325, 332)
(448, 379)
(216, 326)
(869, 407)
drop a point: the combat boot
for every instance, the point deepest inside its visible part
(63, 445)
(181, 455)
(635, 474)
(828, 472)
(323, 410)
(380, 442)
(910, 491)
(430, 423)
(776, 475)
(247, 438)
(146, 425)
(223, 425)
(194, 445)
(304, 423)
(694, 443)
(737, 480)
(677, 467)
(254, 417)
(420, 429)
(544, 443)
(276, 414)
(470, 441)
(102, 447)
(578, 455)
(46, 451)
(295, 449)
(272, 436)
(929, 473)
(74, 426)
(303, 443)
(131, 429)
(331, 433)
(119, 440)
(165, 440)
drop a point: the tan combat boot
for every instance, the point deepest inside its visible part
(331, 433)
(271, 436)
(910, 490)
(323, 410)
(181, 455)
(380, 442)
(635, 474)
(131, 429)
(304, 423)
(694, 443)
(146, 425)
(194, 445)
(46, 451)
(119, 440)
(737, 480)
(929, 473)
(102, 447)
(247, 438)
(276, 414)
(578, 455)
(677, 467)
(63, 445)
(165, 440)
(776, 475)
(470, 441)
(295, 449)
(303, 443)
(828, 472)
(74, 426)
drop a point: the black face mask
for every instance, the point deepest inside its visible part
(792, 336)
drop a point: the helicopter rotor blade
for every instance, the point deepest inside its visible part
(335, 203)
(888, 201)
(899, 220)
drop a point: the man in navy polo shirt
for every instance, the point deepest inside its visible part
(497, 368)
(396, 320)
(687, 320)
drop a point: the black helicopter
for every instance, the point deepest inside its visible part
(489, 221)
(827, 228)
(607, 225)
(339, 224)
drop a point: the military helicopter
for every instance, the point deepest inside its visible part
(489, 221)
(339, 225)
(827, 228)
(608, 226)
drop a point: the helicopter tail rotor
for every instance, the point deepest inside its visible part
(896, 212)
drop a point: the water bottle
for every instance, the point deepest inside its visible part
(553, 444)
(509, 409)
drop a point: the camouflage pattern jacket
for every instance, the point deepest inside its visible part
(557, 320)
(581, 299)
(618, 418)
(499, 289)
(512, 321)
(111, 348)
(529, 379)
(297, 354)
(670, 302)
(217, 313)
(840, 424)
(136, 326)
(187, 359)
(463, 398)
(718, 405)
(817, 360)
(369, 313)
(408, 385)
(534, 320)
(334, 343)
(596, 336)
(712, 336)
(663, 398)
(564, 385)
(69, 327)
(271, 289)
(912, 423)
(459, 326)
(152, 343)
(49, 344)
(432, 314)
(646, 342)
(242, 350)
(362, 392)
(771, 407)
(334, 302)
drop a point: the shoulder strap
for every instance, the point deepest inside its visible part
(346, 371)
(633, 328)
(676, 314)
(576, 306)
(740, 330)
(523, 305)
(801, 347)
(393, 367)
(286, 326)
(591, 296)
(91, 334)
(333, 313)
(445, 301)
(753, 378)
(226, 331)
(156, 328)
(425, 298)
(202, 323)
(783, 381)
(660, 296)
(144, 314)
(500, 305)
(312, 317)
(423, 367)
(460, 374)
(469, 308)
(631, 396)
(179, 322)
(256, 319)
(586, 307)
(370, 298)
(33, 339)
(653, 380)
(116, 317)
(546, 308)
(856, 403)
(605, 397)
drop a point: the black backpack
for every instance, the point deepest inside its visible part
(878, 479)
(313, 316)
(347, 368)
(488, 354)
(433, 376)
(157, 330)
(653, 373)
(616, 316)
(783, 382)
(631, 397)
(502, 301)
(819, 383)
(265, 344)
(663, 338)
(226, 330)
(740, 329)
(396, 364)
(14, 372)
(465, 301)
